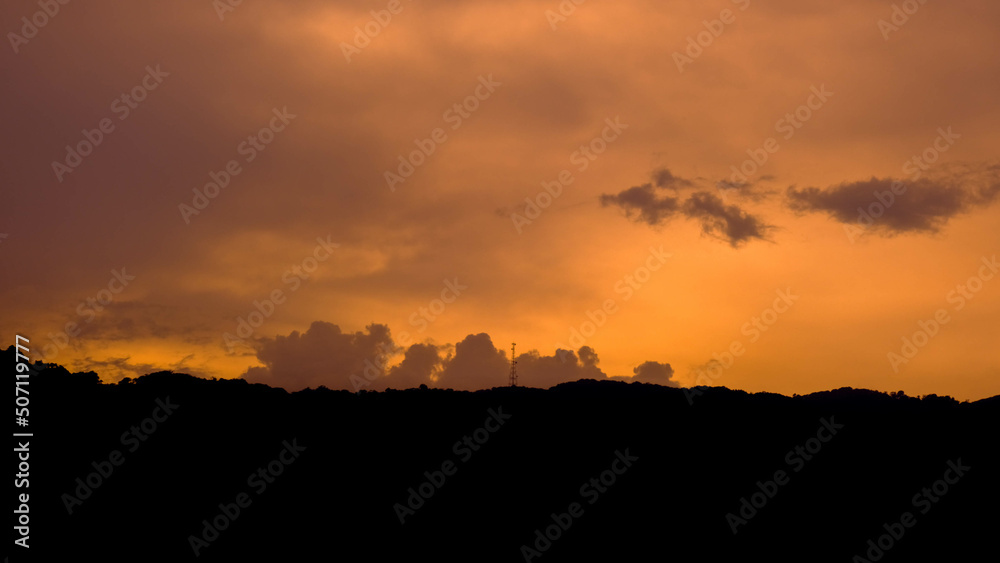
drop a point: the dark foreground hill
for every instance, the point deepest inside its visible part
(174, 468)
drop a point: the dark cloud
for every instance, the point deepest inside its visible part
(663, 178)
(535, 370)
(651, 372)
(727, 222)
(420, 365)
(642, 204)
(323, 355)
(655, 372)
(750, 190)
(123, 321)
(890, 206)
(476, 364)
(588, 357)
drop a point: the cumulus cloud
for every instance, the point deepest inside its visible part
(326, 356)
(655, 372)
(476, 364)
(728, 222)
(651, 372)
(897, 206)
(588, 357)
(535, 370)
(420, 366)
(322, 356)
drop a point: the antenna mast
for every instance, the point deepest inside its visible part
(513, 366)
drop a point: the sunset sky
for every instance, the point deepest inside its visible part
(642, 118)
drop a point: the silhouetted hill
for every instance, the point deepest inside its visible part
(682, 467)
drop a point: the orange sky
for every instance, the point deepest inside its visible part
(337, 119)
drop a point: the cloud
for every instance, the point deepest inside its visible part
(476, 364)
(323, 355)
(663, 178)
(655, 372)
(129, 321)
(897, 206)
(535, 370)
(726, 222)
(642, 204)
(651, 372)
(421, 364)
(723, 221)
(748, 189)
(588, 357)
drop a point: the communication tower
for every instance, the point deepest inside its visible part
(513, 366)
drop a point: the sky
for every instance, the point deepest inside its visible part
(771, 196)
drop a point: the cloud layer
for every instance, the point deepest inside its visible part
(323, 176)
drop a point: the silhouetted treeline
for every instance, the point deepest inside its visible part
(327, 475)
